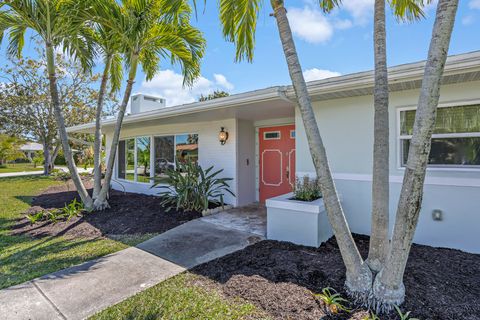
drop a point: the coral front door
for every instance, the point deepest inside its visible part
(277, 161)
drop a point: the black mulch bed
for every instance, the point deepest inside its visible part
(129, 214)
(279, 277)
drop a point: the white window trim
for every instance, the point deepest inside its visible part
(446, 104)
(273, 131)
(135, 160)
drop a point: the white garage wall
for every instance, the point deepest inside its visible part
(210, 151)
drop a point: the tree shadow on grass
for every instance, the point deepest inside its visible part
(24, 258)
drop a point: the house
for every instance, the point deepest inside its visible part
(267, 146)
(30, 148)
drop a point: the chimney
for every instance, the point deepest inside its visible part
(142, 103)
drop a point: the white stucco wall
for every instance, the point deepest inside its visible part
(210, 151)
(346, 126)
(245, 162)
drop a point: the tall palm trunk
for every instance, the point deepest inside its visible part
(380, 186)
(85, 197)
(97, 147)
(388, 286)
(101, 202)
(359, 276)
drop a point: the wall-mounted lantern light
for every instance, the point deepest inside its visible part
(223, 136)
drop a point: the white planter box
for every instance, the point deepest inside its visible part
(300, 222)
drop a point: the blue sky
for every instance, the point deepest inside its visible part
(328, 45)
(339, 43)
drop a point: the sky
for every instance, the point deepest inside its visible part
(328, 45)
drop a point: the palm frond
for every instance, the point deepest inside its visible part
(408, 10)
(239, 22)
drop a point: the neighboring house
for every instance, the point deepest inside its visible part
(267, 146)
(30, 148)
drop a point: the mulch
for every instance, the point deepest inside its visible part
(130, 213)
(280, 277)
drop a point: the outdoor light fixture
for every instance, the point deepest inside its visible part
(223, 136)
(437, 215)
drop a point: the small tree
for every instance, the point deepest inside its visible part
(214, 95)
(10, 148)
(25, 104)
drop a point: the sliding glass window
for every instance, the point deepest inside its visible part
(135, 158)
(130, 156)
(143, 159)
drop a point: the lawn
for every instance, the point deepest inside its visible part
(23, 258)
(19, 167)
(179, 298)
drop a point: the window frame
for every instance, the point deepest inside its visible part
(399, 137)
(272, 131)
(152, 154)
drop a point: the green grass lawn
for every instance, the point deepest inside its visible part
(23, 258)
(178, 298)
(20, 167)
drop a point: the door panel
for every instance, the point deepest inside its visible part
(277, 161)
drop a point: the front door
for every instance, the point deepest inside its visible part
(277, 161)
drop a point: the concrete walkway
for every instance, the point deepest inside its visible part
(31, 173)
(81, 291)
(20, 174)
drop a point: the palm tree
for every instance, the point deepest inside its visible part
(239, 21)
(388, 286)
(55, 23)
(108, 43)
(149, 30)
(408, 10)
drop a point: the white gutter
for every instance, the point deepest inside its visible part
(456, 64)
(462, 63)
(268, 94)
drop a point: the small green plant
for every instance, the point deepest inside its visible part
(371, 316)
(190, 188)
(35, 217)
(404, 316)
(333, 301)
(73, 209)
(306, 189)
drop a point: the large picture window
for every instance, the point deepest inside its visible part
(135, 158)
(168, 149)
(455, 139)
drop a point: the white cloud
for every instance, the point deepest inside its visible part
(310, 24)
(360, 10)
(168, 84)
(474, 4)
(222, 81)
(468, 20)
(318, 74)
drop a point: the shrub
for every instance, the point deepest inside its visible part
(333, 301)
(190, 188)
(306, 189)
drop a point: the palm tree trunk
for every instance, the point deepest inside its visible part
(97, 148)
(380, 185)
(101, 202)
(359, 276)
(85, 197)
(388, 286)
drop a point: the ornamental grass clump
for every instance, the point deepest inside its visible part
(306, 189)
(191, 188)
